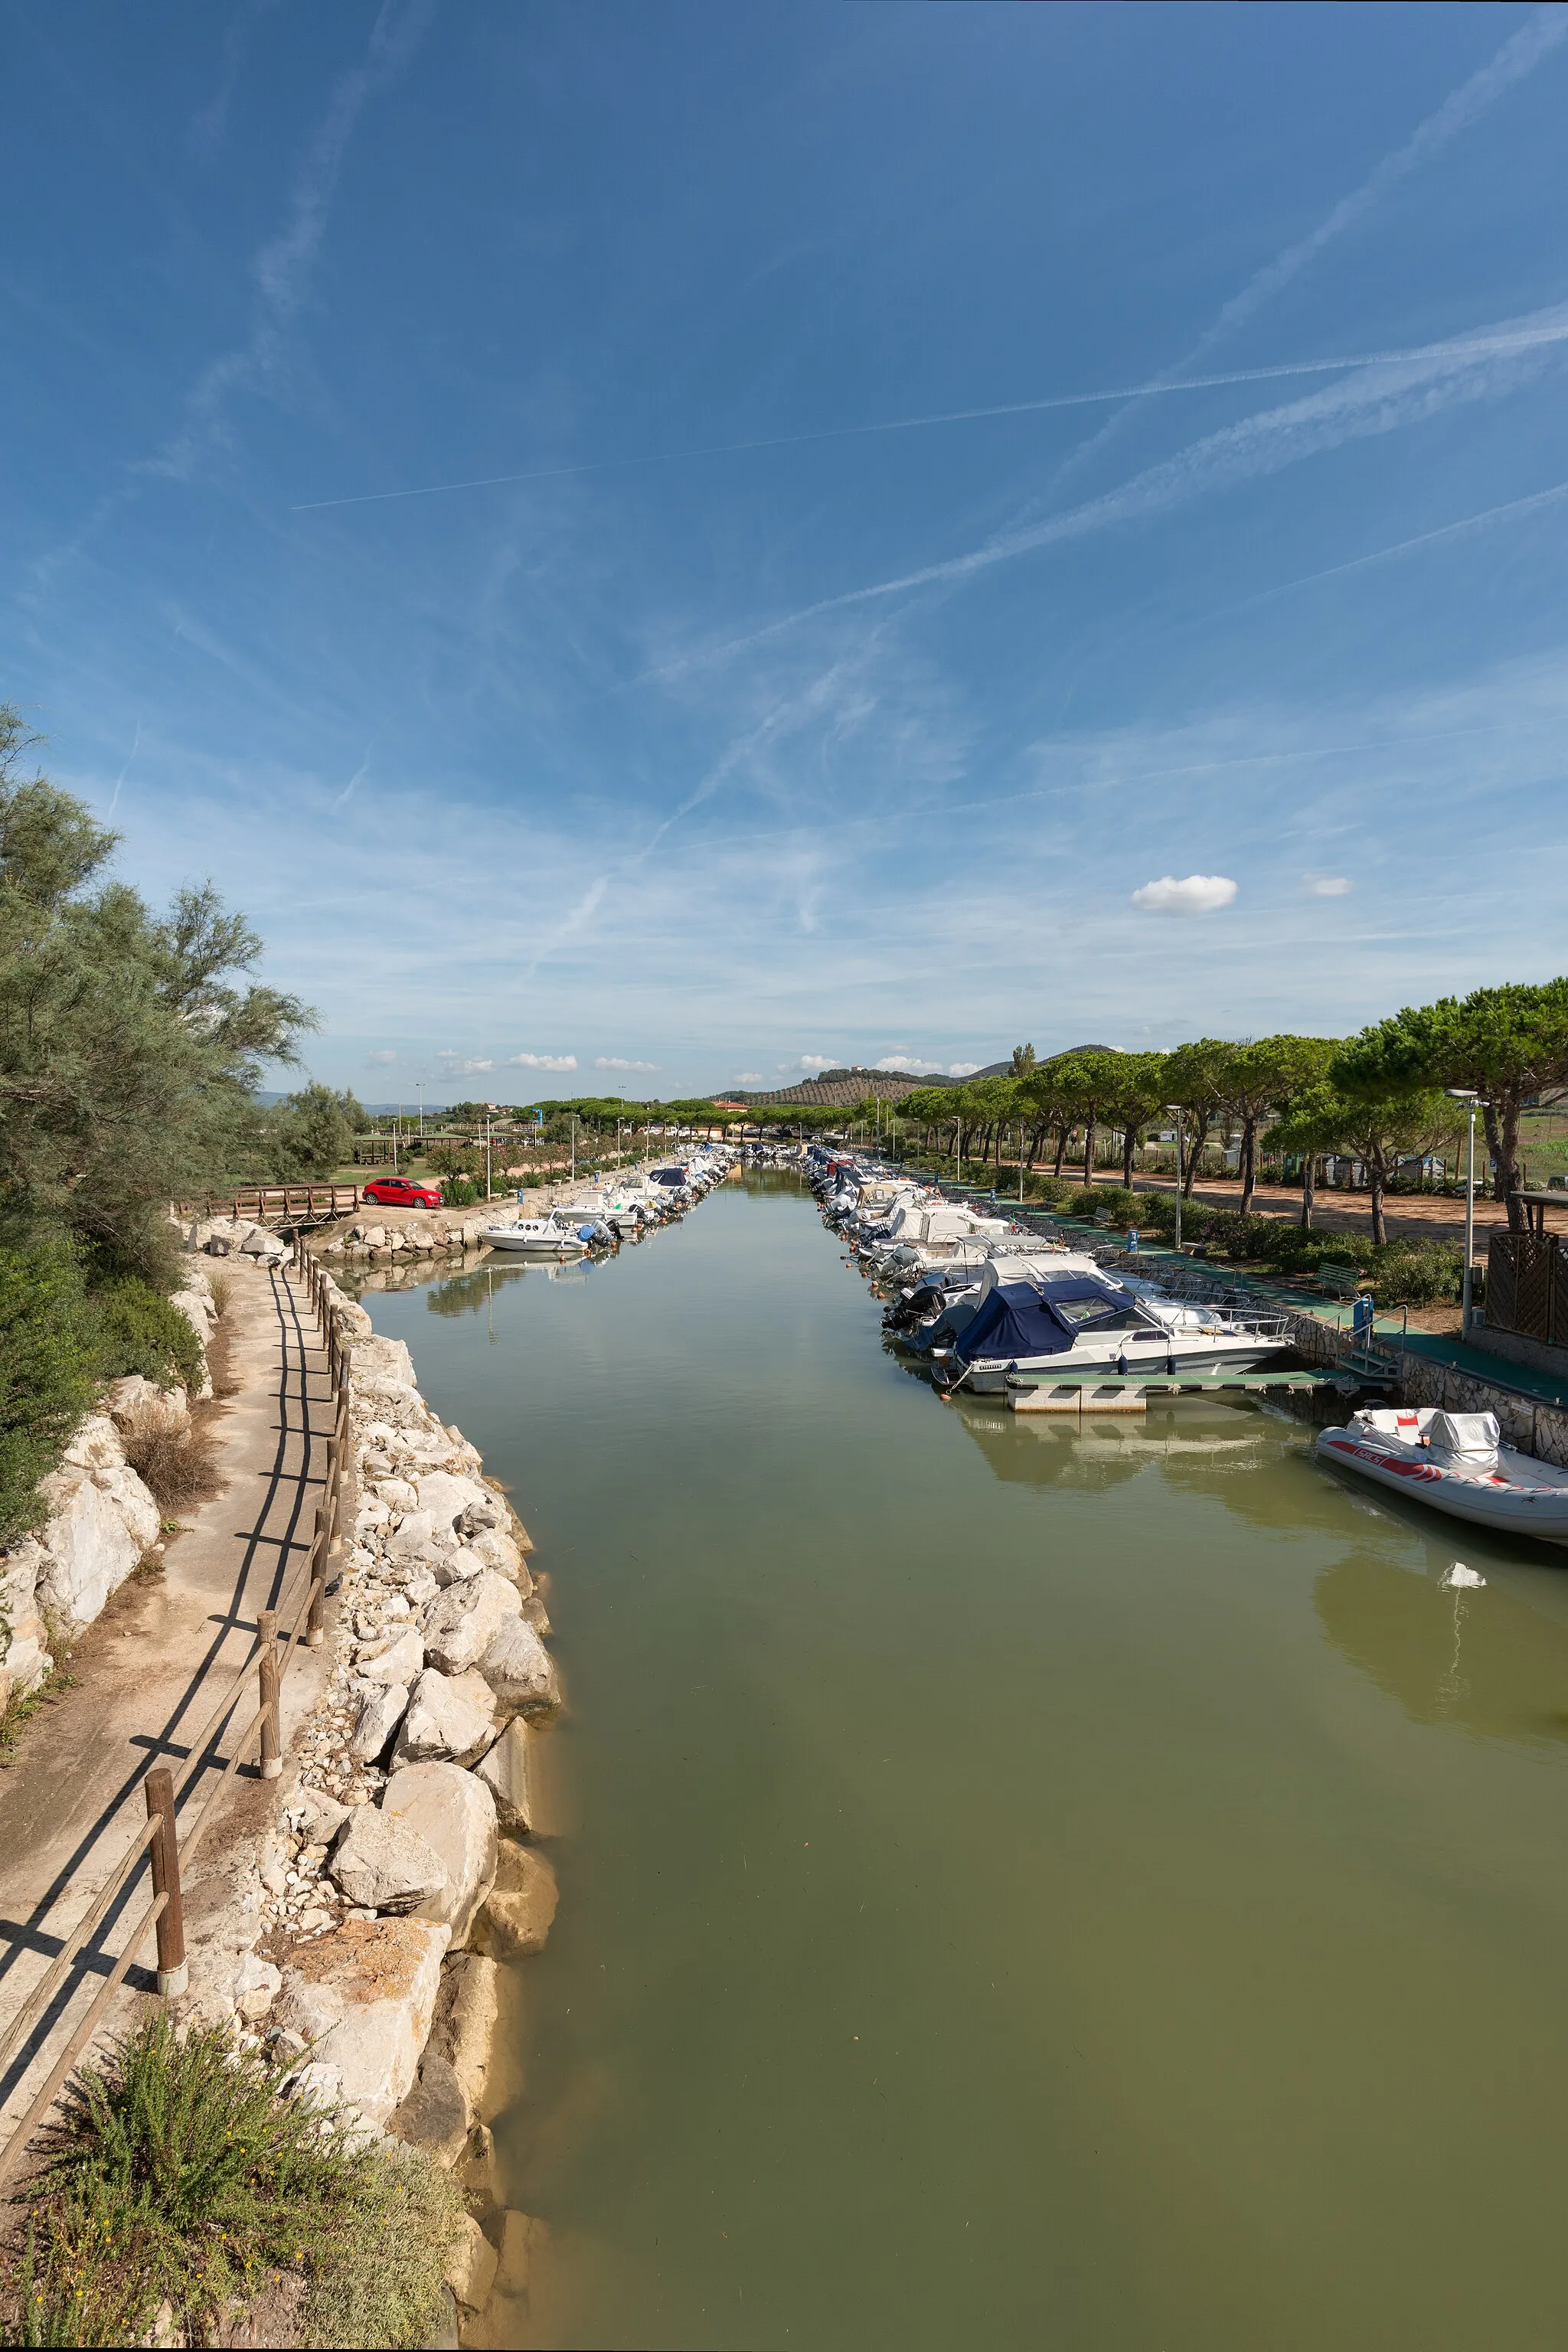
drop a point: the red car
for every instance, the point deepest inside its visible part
(397, 1192)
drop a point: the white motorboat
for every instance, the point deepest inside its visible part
(539, 1237)
(1087, 1321)
(1455, 1461)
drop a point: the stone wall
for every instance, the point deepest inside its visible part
(1534, 1428)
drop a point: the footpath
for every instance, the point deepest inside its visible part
(149, 1672)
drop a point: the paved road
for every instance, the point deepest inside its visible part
(151, 1670)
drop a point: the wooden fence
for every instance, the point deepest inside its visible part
(277, 1204)
(1526, 1286)
(170, 1847)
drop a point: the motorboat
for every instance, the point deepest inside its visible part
(1455, 1461)
(537, 1237)
(1085, 1321)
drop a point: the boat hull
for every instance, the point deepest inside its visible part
(987, 1379)
(1507, 1510)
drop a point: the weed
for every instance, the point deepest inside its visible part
(183, 2174)
(222, 1291)
(178, 1464)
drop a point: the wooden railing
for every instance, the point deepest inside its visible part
(170, 1848)
(281, 1204)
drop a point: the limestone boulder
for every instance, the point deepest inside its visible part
(520, 1669)
(399, 1495)
(471, 2271)
(452, 1815)
(435, 2115)
(382, 1863)
(363, 1998)
(380, 1712)
(497, 1550)
(451, 1567)
(140, 1408)
(462, 1622)
(420, 1538)
(399, 1662)
(451, 1719)
(467, 2016)
(518, 1912)
(449, 1498)
(100, 1522)
(316, 1817)
(505, 1772)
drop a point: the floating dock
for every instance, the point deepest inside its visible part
(1135, 1392)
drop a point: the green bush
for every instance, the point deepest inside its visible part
(139, 1330)
(184, 2173)
(46, 1370)
(459, 1192)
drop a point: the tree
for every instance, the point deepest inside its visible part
(1023, 1061)
(130, 1057)
(1139, 1092)
(1264, 1073)
(1199, 1078)
(1504, 1043)
(1379, 1131)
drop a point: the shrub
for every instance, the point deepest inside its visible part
(178, 1464)
(139, 1330)
(183, 2173)
(46, 1370)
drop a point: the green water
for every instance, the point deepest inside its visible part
(1020, 1885)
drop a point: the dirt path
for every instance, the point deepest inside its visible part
(1420, 1214)
(151, 1672)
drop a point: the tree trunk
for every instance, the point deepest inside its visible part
(1374, 1172)
(1089, 1151)
(1248, 1170)
(1061, 1148)
(1129, 1145)
(1503, 1137)
(1195, 1143)
(1309, 1178)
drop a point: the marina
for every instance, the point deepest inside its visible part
(1016, 1870)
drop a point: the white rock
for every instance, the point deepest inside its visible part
(137, 1407)
(449, 1718)
(505, 1772)
(362, 1997)
(318, 1815)
(455, 1815)
(420, 1538)
(498, 1550)
(452, 1567)
(100, 1522)
(380, 1712)
(461, 1623)
(520, 1670)
(398, 1663)
(398, 1495)
(384, 1864)
(447, 1498)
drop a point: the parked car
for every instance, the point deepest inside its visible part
(397, 1192)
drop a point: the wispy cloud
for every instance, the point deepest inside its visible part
(455, 1065)
(1377, 400)
(539, 1061)
(616, 1062)
(125, 771)
(358, 777)
(210, 124)
(1327, 886)
(1519, 57)
(382, 1058)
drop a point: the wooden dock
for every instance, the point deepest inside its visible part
(1135, 1392)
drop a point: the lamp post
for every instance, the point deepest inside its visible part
(1469, 1098)
(1174, 1110)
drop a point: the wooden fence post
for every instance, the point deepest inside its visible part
(173, 1974)
(315, 1624)
(272, 1739)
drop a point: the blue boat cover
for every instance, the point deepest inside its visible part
(1018, 1319)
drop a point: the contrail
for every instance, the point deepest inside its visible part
(1483, 347)
(125, 771)
(1403, 546)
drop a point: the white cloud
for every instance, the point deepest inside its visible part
(1328, 886)
(815, 1062)
(455, 1065)
(1195, 894)
(539, 1061)
(617, 1061)
(962, 1070)
(747, 1078)
(379, 1061)
(900, 1061)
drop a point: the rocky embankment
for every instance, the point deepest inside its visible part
(363, 1934)
(102, 1519)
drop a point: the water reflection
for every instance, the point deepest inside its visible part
(1489, 1661)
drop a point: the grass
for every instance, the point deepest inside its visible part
(180, 1465)
(185, 2181)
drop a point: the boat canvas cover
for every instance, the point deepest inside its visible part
(1474, 1435)
(1020, 1318)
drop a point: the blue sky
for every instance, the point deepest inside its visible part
(815, 665)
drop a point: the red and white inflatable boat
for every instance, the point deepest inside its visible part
(1454, 1461)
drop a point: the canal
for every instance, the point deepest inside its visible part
(1020, 1884)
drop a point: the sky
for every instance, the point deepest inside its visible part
(654, 549)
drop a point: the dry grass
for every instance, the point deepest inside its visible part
(222, 1291)
(180, 1465)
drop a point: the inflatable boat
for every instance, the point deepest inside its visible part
(1454, 1461)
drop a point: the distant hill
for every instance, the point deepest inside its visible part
(835, 1088)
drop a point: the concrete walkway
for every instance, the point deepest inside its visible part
(153, 1669)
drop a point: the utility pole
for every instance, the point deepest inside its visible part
(1469, 1098)
(487, 1155)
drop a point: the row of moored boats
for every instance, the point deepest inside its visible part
(983, 1301)
(612, 1212)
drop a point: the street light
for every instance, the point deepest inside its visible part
(1469, 1098)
